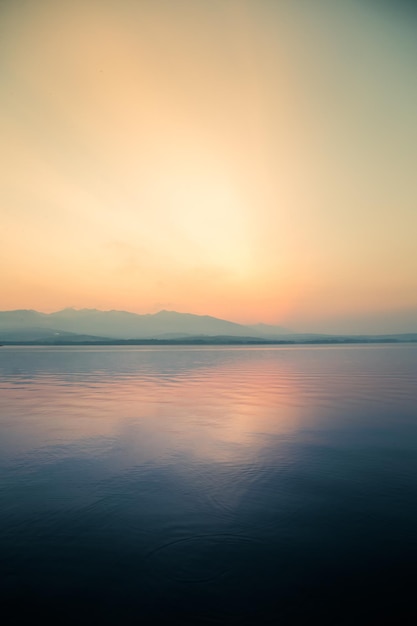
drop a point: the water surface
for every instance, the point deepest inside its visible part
(270, 485)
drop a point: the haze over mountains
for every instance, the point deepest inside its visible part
(33, 325)
(77, 326)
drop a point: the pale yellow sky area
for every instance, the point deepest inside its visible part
(247, 159)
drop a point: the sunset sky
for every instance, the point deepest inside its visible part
(249, 159)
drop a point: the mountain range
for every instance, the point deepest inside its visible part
(77, 326)
(22, 325)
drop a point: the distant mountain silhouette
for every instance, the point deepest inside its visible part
(45, 335)
(125, 325)
(94, 326)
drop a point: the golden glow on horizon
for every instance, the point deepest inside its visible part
(231, 158)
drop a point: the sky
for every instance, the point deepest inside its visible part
(248, 159)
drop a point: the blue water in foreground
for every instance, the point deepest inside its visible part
(273, 485)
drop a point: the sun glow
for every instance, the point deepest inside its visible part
(206, 210)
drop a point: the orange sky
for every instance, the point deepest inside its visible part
(239, 158)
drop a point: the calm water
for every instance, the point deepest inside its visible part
(209, 486)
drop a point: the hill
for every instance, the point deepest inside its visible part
(124, 325)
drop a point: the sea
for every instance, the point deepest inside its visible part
(208, 485)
